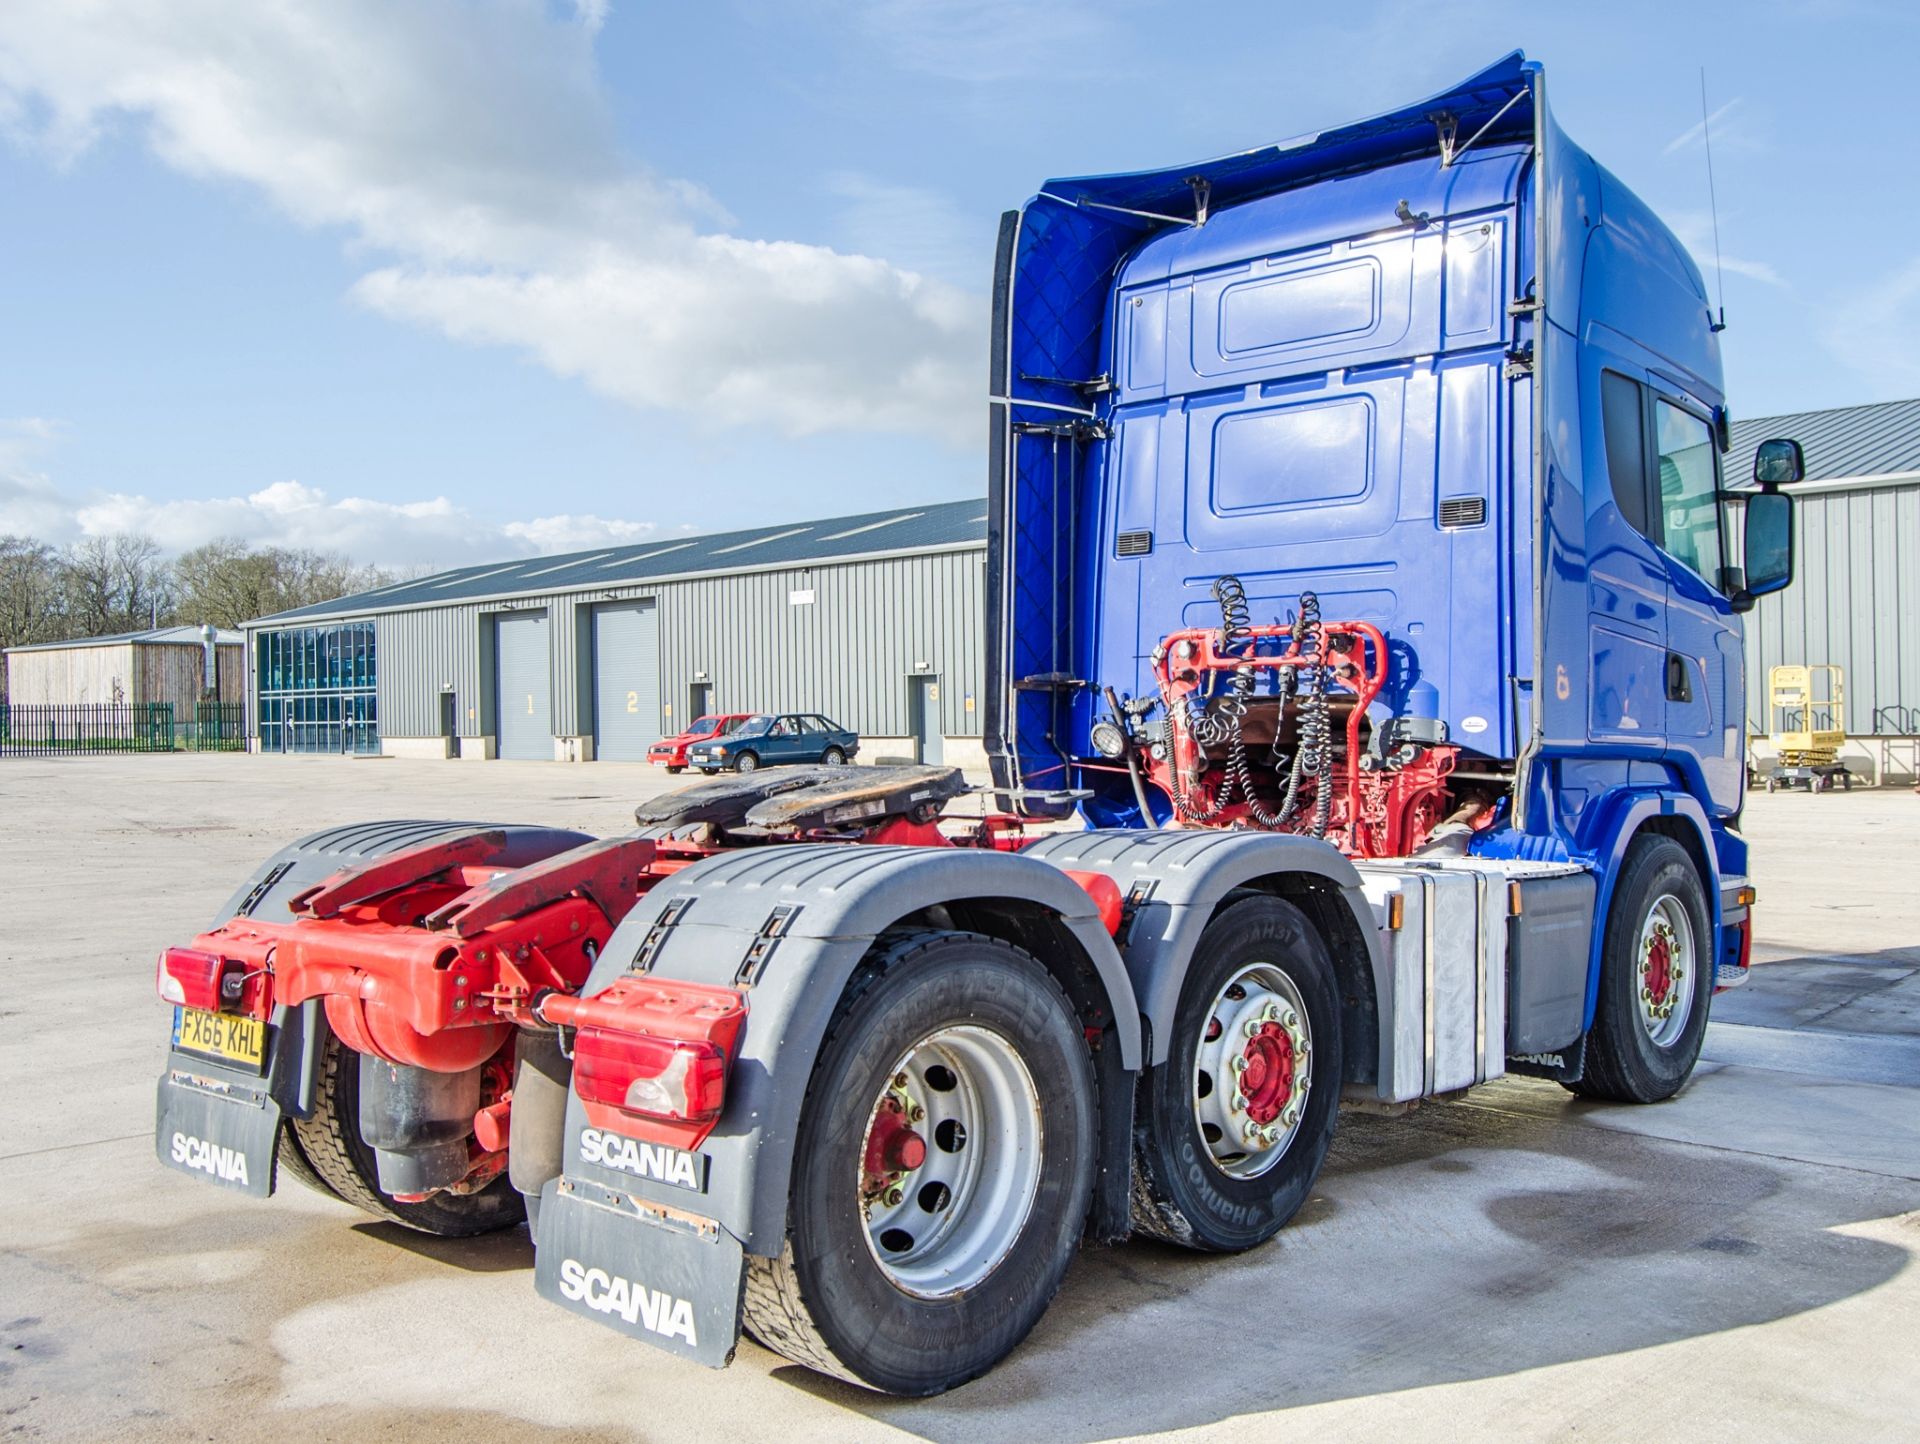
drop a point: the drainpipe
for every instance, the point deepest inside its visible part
(211, 687)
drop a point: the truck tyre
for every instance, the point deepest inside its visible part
(1231, 1130)
(944, 1169)
(1656, 978)
(330, 1146)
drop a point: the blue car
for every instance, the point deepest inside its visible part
(772, 738)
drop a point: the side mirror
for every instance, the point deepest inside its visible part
(1779, 462)
(1769, 545)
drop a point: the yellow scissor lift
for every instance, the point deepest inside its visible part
(1808, 717)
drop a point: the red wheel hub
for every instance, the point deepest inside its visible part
(1659, 968)
(1267, 1080)
(892, 1146)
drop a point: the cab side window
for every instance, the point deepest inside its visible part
(1623, 410)
(1663, 467)
(1688, 496)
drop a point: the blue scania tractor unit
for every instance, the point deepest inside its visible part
(1365, 713)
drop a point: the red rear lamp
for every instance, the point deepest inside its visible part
(676, 1081)
(207, 981)
(650, 1056)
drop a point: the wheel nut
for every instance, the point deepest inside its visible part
(894, 1195)
(1239, 1102)
(916, 1113)
(1271, 1013)
(1289, 1019)
(1252, 1029)
(1238, 1063)
(1251, 1132)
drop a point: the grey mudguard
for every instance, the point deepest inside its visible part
(700, 926)
(227, 1108)
(1174, 880)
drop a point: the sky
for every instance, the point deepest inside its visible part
(432, 282)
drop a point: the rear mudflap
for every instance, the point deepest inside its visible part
(218, 1124)
(221, 1121)
(660, 1274)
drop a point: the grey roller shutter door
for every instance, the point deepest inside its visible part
(525, 700)
(626, 681)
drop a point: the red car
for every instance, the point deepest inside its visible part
(671, 752)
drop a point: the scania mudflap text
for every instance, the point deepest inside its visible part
(1360, 577)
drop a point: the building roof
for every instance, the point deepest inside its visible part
(156, 637)
(900, 529)
(1847, 443)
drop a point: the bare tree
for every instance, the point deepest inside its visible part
(119, 583)
(30, 608)
(30, 596)
(227, 582)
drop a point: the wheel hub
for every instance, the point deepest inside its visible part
(893, 1149)
(1252, 1071)
(1664, 990)
(1267, 1075)
(1656, 968)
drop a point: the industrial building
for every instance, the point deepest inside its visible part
(177, 666)
(875, 620)
(1855, 600)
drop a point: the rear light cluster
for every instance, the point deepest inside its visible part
(650, 1057)
(194, 979)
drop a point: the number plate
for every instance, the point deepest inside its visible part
(220, 1035)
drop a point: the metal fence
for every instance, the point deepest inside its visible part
(216, 727)
(40, 730)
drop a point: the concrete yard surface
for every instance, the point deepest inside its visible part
(1734, 1264)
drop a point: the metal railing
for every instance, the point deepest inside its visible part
(41, 729)
(216, 727)
(1896, 721)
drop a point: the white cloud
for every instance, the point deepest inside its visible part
(433, 533)
(1871, 332)
(912, 226)
(983, 42)
(592, 13)
(1695, 230)
(30, 504)
(468, 147)
(1716, 121)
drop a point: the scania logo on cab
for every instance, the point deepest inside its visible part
(229, 1165)
(633, 1301)
(644, 1160)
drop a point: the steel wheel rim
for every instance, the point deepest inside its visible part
(940, 1226)
(1256, 1019)
(1664, 963)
